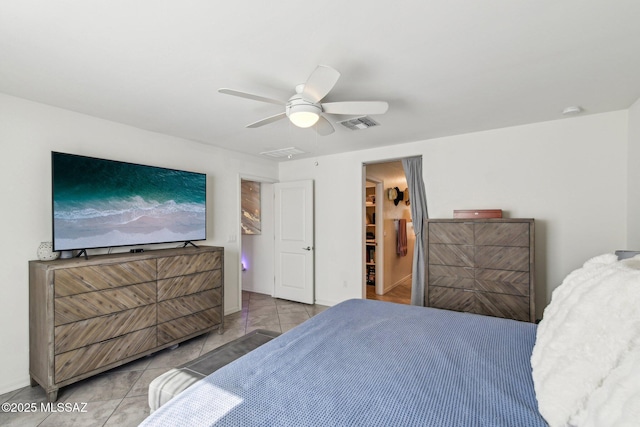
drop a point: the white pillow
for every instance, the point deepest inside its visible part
(617, 401)
(591, 327)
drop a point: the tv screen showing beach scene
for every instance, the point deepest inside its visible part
(99, 203)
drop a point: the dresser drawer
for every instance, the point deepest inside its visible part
(92, 304)
(77, 280)
(188, 264)
(502, 257)
(79, 334)
(477, 302)
(187, 325)
(451, 277)
(453, 255)
(451, 299)
(501, 305)
(187, 285)
(502, 281)
(501, 234)
(452, 233)
(85, 359)
(177, 307)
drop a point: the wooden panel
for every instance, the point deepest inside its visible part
(451, 277)
(186, 285)
(188, 264)
(77, 280)
(85, 359)
(502, 258)
(502, 281)
(502, 234)
(91, 304)
(40, 321)
(485, 303)
(455, 233)
(178, 307)
(501, 305)
(91, 331)
(187, 325)
(451, 299)
(453, 255)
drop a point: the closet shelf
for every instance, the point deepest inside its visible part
(370, 240)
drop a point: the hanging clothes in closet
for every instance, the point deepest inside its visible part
(401, 237)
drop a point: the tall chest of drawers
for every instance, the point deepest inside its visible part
(87, 316)
(483, 266)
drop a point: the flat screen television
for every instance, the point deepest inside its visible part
(99, 203)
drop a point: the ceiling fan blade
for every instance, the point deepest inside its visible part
(320, 82)
(355, 107)
(251, 96)
(268, 120)
(324, 127)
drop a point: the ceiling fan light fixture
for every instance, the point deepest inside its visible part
(304, 119)
(305, 110)
(303, 115)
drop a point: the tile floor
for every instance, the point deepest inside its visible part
(119, 397)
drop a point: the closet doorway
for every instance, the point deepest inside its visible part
(388, 237)
(256, 229)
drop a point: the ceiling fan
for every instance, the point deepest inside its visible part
(304, 109)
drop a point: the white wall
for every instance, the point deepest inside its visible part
(28, 133)
(257, 249)
(633, 181)
(568, 174)
(396, 267)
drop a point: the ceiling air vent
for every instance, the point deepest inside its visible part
(283, 152)
(363, 122)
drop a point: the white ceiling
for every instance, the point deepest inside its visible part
(387, 171)
(445, 66)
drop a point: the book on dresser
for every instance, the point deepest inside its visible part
(88, 316)
(483, 266)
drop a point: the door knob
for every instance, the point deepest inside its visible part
(308, 248)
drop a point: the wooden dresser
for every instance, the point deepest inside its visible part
(483, 266)
(88, 316)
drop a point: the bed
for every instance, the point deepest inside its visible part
(374, 363)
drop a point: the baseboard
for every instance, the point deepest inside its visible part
(257, 290)
(326, 302)
(14, 386)
(228, 310)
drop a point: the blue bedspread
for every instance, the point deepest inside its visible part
(370, 363)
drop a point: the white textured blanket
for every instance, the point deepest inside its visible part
(586, 360)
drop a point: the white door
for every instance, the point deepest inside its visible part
(294, 241)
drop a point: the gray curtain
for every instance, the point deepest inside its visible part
(417, 195)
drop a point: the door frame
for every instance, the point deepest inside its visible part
(379, 235)
(238, 227)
